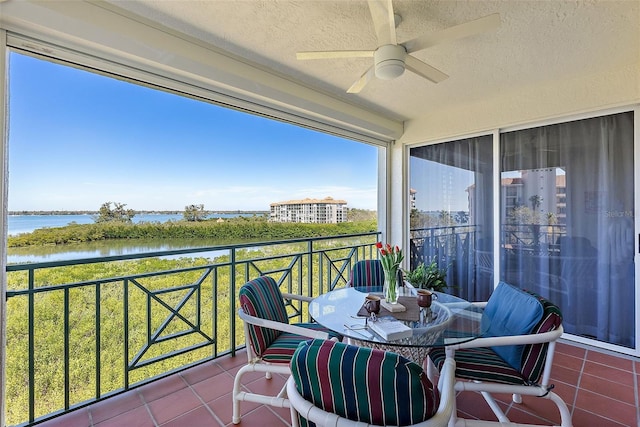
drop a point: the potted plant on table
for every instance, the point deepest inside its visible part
(428, 277)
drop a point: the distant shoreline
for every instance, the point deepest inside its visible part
(14, 213)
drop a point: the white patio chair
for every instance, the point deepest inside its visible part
(517, 363)
(271, 340)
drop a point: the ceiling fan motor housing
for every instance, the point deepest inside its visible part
(389, 61)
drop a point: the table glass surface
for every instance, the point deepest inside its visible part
(454, 321)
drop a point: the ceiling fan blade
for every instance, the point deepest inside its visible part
(424, 70)
(467, 29)
(383, 21)
(335, 54)
(362, 81)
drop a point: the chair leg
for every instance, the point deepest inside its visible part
(280, 400)
(565, 415)
(294, 417)
(539, 392)
(453, 420)
(494, 407)
(237, 384)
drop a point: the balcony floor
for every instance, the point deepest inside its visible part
(601, 389)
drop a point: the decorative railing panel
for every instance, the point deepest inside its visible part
(83, 330)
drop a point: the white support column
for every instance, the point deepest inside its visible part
(397, 194)
(383, 192)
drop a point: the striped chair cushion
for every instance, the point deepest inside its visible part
(281, 350)
(262, 298)
(367, 276)
(534, 355)
(480, 364)
(363, 384)
(483, 364)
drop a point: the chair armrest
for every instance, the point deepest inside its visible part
(511, 340)
(285, 327)
(446, 386)
(297, 297)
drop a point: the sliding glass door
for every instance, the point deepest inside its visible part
(566, 219)
(567, 215)
(452, 213)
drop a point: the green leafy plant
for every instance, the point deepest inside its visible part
(428, 277)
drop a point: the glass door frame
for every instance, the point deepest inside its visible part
(635, 108)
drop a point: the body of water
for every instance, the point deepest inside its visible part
(52, 253)
(18, 224)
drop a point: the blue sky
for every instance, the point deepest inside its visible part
(78, 139)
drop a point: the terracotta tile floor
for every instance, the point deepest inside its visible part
(600, 389)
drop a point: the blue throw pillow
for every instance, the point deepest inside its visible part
(511, 311)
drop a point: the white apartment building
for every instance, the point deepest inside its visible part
(317, 211)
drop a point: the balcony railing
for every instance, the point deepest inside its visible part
(115, 323)
(441, 244)
(80, 331)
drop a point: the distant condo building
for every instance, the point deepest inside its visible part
(315, 211)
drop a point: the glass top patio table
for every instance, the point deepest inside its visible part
(455, 320)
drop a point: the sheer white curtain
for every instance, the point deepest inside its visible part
(569, 231)
(453, 219)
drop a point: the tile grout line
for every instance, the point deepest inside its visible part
(579, 380)
(211, 411)
(596, 393)
(148, 408)
(287, 423)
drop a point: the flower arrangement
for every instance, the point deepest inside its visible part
(390, 257)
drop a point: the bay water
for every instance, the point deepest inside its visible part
(18, 224)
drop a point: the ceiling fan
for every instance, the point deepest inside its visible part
(391, 58)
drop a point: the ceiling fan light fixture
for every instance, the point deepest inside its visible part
(389, 61)
(390, 69)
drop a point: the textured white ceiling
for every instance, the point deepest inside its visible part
(538, 40)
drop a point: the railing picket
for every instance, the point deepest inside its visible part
(232, 299)
(98, 340)
(32, 375)
(66, 349)
(214, 313)
(125, 298)
(149, 339)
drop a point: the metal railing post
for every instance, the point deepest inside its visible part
(232, 301)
